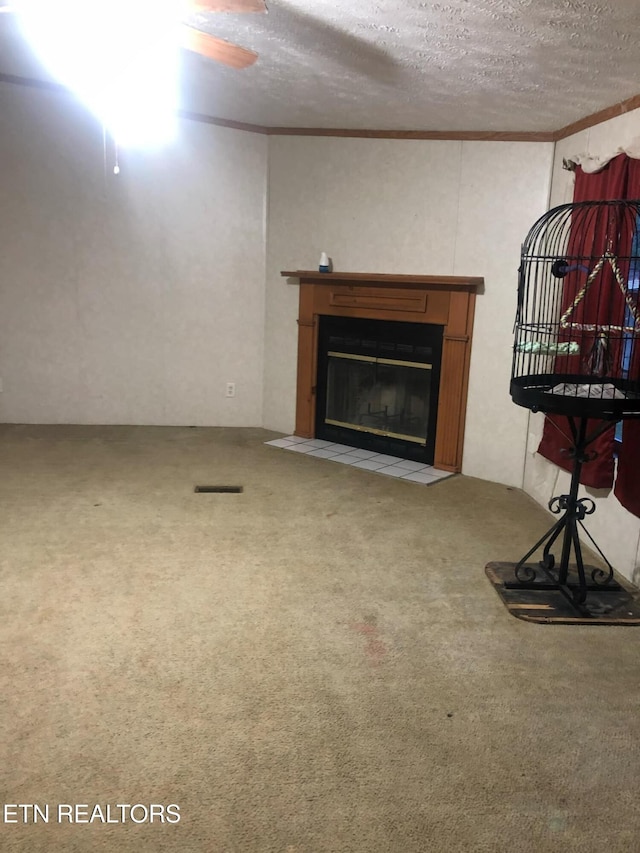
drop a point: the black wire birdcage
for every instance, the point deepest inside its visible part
(576, 357)
(577, 349)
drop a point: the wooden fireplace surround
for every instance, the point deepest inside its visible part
(447, 301)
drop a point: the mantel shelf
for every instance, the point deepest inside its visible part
(447, 282)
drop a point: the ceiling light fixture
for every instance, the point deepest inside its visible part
(121, 59)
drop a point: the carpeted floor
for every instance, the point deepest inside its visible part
(316, 665)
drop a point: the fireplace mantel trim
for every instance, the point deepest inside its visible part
(447, 282)
(448, 301)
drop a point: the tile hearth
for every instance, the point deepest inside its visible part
(379, 463)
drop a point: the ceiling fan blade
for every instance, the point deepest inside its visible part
(215, 48)
(228, 5)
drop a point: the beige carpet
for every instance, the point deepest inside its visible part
(317, 665)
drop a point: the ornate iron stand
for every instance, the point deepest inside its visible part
(573, 511)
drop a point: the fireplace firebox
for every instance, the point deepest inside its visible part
(377, 385)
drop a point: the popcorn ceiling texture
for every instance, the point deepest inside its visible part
(477, 65)
(496, 65)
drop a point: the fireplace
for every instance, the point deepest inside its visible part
(377, 385)
(442, 305)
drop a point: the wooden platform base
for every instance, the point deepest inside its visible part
(619, 606)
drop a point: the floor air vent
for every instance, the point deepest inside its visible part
(233, 490)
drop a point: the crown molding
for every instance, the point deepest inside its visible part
(469, 135)
(33, 83)
(58, 88)
(222, 122)
(597, 118)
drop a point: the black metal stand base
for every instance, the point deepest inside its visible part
(572, 580)
(526, 576)
(544, 602)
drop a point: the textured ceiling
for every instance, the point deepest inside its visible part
(465, 65)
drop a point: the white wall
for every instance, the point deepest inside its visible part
(422, 207)
(129, 299)
(616, 531)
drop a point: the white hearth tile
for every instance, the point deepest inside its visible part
(361, 454)
(346, 458)
(280, 442)
(393, 471)
(324, 453)
(380, 463)
(318, 443)
(369, 464)
(421, 477)
(409, 465)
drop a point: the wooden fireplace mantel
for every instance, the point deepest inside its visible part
(448, 301)
(452, 282)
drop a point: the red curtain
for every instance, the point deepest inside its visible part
(627, 488)
(609, 183)
(620, 179)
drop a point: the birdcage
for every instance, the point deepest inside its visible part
(576, 357)
(577, 330)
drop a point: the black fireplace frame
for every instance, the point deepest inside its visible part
(414, 342)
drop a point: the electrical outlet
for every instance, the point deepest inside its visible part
(231, 389)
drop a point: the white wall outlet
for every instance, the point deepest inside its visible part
(231, 389)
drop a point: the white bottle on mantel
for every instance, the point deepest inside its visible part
(324, 265)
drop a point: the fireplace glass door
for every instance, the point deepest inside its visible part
(378, 385)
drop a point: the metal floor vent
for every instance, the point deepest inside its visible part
(234, 490)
